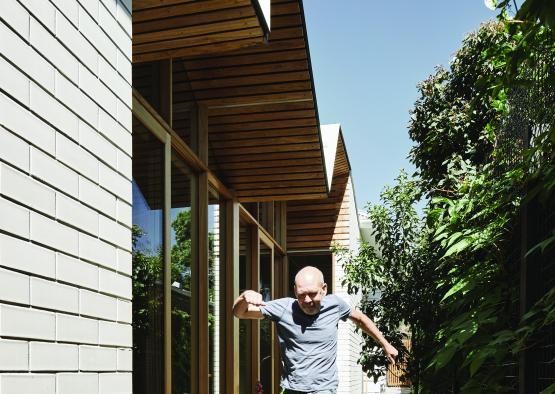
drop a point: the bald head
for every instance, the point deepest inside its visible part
(310, 289)
(309, 276)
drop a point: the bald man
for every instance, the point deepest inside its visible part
(307, 331)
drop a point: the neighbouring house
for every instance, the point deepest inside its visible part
(157, 157)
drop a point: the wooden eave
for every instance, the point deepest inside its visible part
(318, 224)
(164, 29)
(264, 131)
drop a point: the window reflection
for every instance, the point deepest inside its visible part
(148, 292)
(181, 258)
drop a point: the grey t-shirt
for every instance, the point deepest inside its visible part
(308, 344)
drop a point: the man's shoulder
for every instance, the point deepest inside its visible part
(277, 307)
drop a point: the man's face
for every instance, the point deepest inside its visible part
(309, 292)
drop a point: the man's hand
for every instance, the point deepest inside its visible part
(251, 297)
(390, 352)
(247, 305)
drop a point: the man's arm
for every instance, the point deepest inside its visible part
(247, 305)
(368, 326)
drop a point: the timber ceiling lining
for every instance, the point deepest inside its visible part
(264, 130)
(163, 29)
(318, 224)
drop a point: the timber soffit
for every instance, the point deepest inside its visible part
(318, 224)
(264, 130)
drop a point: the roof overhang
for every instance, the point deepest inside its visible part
(163, 29)
(321, 223)
(264, 131)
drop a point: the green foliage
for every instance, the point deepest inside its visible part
(450, 279)
(148, 297)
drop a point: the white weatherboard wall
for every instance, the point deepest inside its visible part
(349, 341)
(65, 197)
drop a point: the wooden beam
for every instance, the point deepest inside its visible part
(167, 269)
(255, 324)
(229, 279)
(199, 144)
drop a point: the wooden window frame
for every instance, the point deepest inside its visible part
(231, 214)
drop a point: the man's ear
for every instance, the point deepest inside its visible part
(324, 289)
(295, 290)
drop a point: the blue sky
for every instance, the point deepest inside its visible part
(367, 57)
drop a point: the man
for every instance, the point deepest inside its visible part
(307, 331)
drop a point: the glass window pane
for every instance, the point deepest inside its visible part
(181, 259)
(148, 291)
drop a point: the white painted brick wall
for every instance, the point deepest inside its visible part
(76, 272)
(115, 383)
(72, 155)
(65, 194)
(43, 11)
(18, 18)
(14, 355)
(97, 305)
(114, 334)
(24, 57)
(96, 358)
(72, 383)
(125, 311)
(97, 144)
(26, 125)
(14, 287)
(44, 356)
(77, 43)
(44, 42)
(15, 218)
(16, 84)
(76, 329)
(114, 81)
(96, 197)
(113, 283)
(115, 233)
(91, 6)
(54, 173)
(124, 213)
(76, 100)
(125, 360)
(124, 261)
(69, 9)
(117, 184)
(24, 189)
(72, 212)
(28, 383)
(21, 322)
(114, 131)
(97, 251)
(97, 37)
(52, 295)
(46, 106)
(25, 256)
(13, 149)
(54, 234)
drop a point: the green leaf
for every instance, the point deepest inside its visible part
(549, 390)
(455, 289)
(458, 247)
(476, 363)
